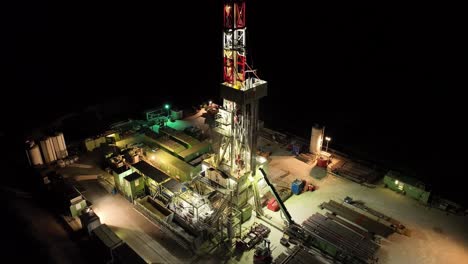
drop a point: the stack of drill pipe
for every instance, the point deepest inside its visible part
(355, 228)
(354, 236)
(304, 257)
(343, 238)
(367, 223)
(298, 255)
(378, 214)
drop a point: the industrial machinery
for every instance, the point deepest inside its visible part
(192, 207)
(237, 119)
(262, 253)
(89, 219)
(236, 122)
(297, 186)
(278, 199)
(257, 233)
(293, 233)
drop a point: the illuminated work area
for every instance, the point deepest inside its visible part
(217, 186)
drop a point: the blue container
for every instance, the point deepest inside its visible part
(296, 148)
(297, 186)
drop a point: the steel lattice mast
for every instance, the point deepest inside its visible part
(241, 90)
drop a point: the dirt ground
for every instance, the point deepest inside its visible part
(434, 237)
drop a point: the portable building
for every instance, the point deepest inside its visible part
(407, 185)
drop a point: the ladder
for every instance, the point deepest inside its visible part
(218, 211)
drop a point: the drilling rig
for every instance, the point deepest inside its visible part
(241, 91)
(236, 123)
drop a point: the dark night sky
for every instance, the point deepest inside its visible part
(379, 77)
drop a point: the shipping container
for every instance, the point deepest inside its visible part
(407, 185)
(119, 175)
(195, 151)
(174, 167)
(134, 186)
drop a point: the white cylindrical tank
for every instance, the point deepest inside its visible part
(61, 148)
(56, 141)
(34, 154)
(48, 150)
(316, 139)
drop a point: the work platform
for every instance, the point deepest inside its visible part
(244, 96)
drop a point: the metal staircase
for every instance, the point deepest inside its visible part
(214, 217)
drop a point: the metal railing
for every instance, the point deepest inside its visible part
(175, 234)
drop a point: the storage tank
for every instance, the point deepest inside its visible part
(316, 139)
(56, 142)
(48, 150)
(62, 147)
(34, 154)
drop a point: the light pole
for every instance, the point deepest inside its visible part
(167, 107)
(328, 140)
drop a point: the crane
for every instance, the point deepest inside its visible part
(292, 231)
(283, 208)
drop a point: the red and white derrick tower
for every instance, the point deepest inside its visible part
(237, 121)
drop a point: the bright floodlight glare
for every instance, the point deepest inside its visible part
(210, 102)
(166, 106)
(327, 138)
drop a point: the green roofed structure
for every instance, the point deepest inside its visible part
(173, 166)
(169, 144)
(153, 176)
(195, 151)
(179, 136)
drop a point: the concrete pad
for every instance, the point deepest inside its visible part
(435, 237)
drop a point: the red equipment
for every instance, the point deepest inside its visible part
(273, 205)
(321, 162)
